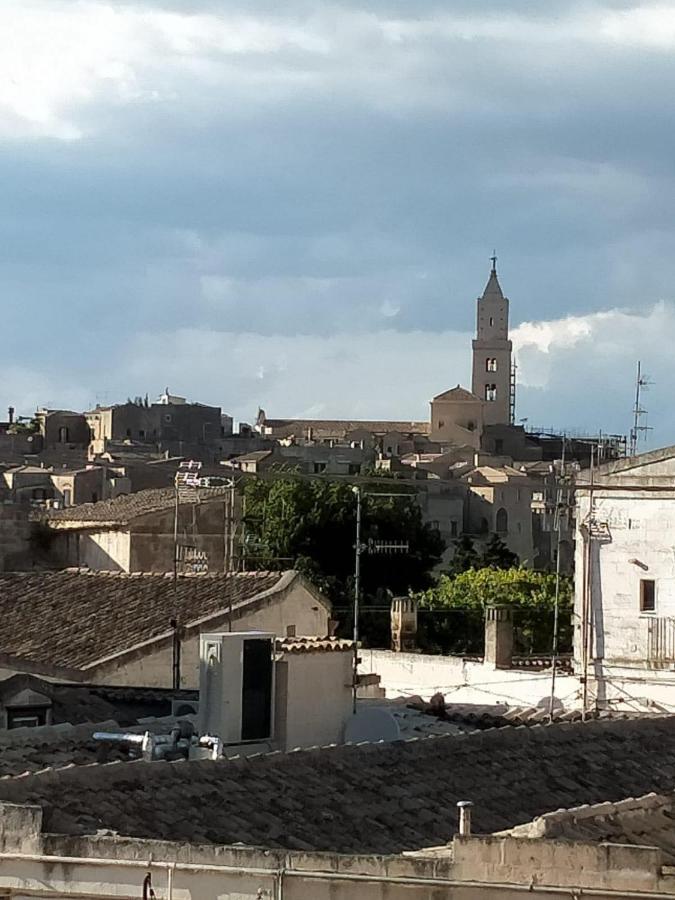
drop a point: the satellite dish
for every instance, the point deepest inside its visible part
(372, 725)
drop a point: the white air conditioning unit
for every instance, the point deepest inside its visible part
(236, 686)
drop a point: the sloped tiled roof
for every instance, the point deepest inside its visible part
(121, 510)
(647, 821)
(458, 393)
(372, 798)
(74, 618)
(345, 426)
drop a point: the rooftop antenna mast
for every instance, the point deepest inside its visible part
(641, 383)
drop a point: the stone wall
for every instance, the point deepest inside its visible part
(152, 665)
(16, 549)
(484, 868)
(466, 681)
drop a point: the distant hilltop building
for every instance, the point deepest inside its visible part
(492, 379)
(170, 420)
(458, 416)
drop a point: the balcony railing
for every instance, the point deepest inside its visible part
(661, 639)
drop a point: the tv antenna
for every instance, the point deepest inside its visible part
(642, 383)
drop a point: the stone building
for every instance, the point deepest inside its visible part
(457, 418)
(135, 532)
(166, 423)
(116, 629)
(492, 367)
(60, 427)
(499, 502)
(625, 577)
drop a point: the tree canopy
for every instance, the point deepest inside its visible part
(495, 554)
(310, 524)
(487, 586)
(465, 595)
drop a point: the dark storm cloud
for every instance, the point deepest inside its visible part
(333, 170)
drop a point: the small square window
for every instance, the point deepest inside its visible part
(647, 595)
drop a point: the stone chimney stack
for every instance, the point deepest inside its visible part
(498, 637)
(403, 624)
(10, 415)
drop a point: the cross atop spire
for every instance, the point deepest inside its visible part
(493, 260)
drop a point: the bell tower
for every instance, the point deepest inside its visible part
(491, 379)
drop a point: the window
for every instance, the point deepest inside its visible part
(354, 469)
(647, 595)
(441, 423)
(128, 432)
(502, 521)
(499, 445)
(490, 392)
(26, 716)
(490, 364)
(319, 467)
(66, 496)
(63, 435)
(453, 528)
(141, 435)
(492, 321)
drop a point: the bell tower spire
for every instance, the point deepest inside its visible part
(491, 380)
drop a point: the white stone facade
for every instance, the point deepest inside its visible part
(625, 578)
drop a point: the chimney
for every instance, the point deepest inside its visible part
(498, 637)
(10, 415)
(403, 624)
(464, 807)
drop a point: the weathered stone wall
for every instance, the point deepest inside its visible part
(152, 666)
(16, 550)
(482, 868)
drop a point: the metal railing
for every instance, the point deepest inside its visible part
(661, 639)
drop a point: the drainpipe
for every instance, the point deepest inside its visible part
(464, 807)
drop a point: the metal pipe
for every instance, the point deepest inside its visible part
(464, 807)
(127, 737)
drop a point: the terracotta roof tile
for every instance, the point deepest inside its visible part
(648, 821)
(121, 510)
(74, 618)
(373, 798)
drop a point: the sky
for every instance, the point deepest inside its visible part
(293, 205)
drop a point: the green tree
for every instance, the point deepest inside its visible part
(465, 556)
(310, 524)
(531, 594)
(497, 555)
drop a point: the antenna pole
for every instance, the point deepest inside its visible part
(641, 382)
(559, 502)
(357, 590)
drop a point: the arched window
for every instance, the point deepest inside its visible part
(502, 521)
(490, 392)
(490, 364)
(63, 435)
